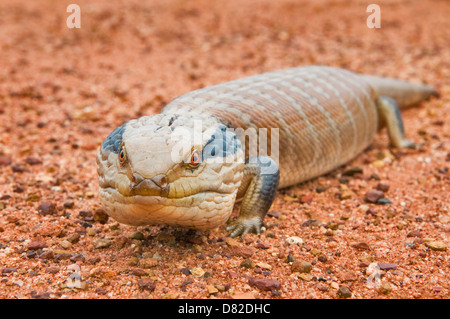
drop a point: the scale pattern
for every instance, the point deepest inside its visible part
(325, 115)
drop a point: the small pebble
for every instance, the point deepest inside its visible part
(383, 201)
(371, 211)
(197, 272)
(322, 258)
(262, 245)
(248, 263)
(148, 263)
(8, 270)
(361, 246)
(290, 258)
(52, 270)
(66, 244)
(101, 291)
(373, 196)
(274, 214)
(263, 265)
(294, 240)
(100, 216)
(387, 266)
(320, 189)
(185, 271)
(312, 223)
(264, 284)
(69, 204)
(86, 215)
(301, 266)
(242, 251)
(344, 292)
(211, 289)
(165, 237)
(61, 254)
(37, 244)
(102, 243)
(322, 287)
(33, 161)
(75, 257)
(436, 245)
(382, 186)
(305, 276)
(348, 276)
(346, 195)
(306, 199)
(335, 285)
(385, 288)
(133, 261)
(90, 232)
(47, 208)
(138, 272)
(46, 255)
(146, 284)
(73, 238)
(137, 235)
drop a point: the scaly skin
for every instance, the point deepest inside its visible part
(324, 117)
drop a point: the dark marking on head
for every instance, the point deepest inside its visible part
(221, 144)
(172, 119)
(113, 141)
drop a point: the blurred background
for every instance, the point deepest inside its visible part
(131, 57)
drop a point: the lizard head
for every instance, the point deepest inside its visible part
(166, 169)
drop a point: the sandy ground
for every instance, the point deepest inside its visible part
(63, 90)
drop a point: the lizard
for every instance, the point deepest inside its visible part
(191, 163)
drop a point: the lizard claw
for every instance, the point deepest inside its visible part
(242, 226)
(410, 144)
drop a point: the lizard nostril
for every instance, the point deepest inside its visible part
(161, 180)
(136, 179)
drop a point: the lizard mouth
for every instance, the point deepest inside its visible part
(156, 186)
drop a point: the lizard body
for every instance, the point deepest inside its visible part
(312, 120)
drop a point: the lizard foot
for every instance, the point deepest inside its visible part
(241, 226)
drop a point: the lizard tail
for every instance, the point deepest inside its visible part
(406, 94)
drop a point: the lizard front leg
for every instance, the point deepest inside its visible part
(258, 188)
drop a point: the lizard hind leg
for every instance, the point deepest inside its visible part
(391, 117)
(260, 182)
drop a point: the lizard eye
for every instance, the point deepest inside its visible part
(122, 156)
(195, 159)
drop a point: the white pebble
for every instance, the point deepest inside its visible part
(294, 240)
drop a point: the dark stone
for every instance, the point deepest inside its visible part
(344, 292)
(373, 196)
(47, 208)
(264, 284)
(146, 284)
(387, 266)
